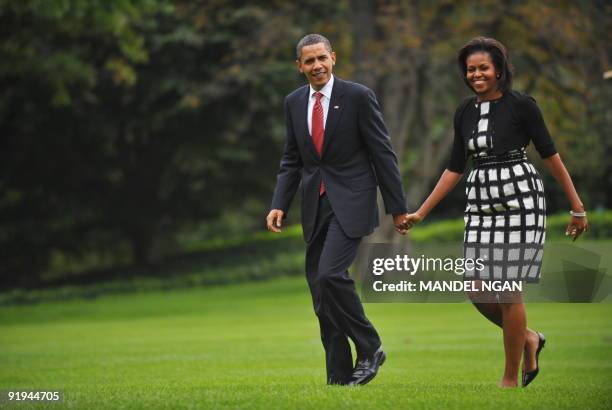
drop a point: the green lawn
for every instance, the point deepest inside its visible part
(257, 346)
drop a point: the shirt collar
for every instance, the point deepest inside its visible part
(326, 90)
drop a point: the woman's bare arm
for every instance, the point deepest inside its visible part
(577, 225)
(448, 180)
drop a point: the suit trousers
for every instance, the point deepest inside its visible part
(341, 316)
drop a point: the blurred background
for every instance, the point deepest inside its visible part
(139, 139)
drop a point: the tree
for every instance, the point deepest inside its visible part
(155, 114)
(406, 52)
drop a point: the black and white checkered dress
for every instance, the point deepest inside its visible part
(505, 216)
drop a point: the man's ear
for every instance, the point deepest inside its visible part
(298, 65)
(333, 57)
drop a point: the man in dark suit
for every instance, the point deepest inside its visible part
(338, 146)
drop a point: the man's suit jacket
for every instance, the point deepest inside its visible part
(356, 157)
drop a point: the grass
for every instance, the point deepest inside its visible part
(256, 345)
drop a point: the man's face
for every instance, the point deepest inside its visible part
(317, 64)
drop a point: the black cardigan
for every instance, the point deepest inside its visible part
(516, 120)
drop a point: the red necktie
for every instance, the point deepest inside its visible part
(318, 130)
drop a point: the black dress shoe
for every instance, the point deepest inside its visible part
(528, 377)
(367, 368)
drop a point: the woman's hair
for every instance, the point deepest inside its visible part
(498, 54)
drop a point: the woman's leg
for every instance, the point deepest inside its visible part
(487, 303)
(532, 340)
(515, 331)
(491, 311)
(516, 316)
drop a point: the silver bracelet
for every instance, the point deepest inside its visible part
(578, 214)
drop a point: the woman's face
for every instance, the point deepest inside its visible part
(481, 73)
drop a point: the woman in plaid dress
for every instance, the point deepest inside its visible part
(505, 215)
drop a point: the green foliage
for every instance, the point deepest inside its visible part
(450, 230)
(216, 261)
(600, 225)
(54, 42)
(129, 121)
(278, 264)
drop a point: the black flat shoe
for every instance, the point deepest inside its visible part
(528, 377)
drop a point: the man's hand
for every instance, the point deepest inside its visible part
(274, 220)
(399, 221)
(404, 222)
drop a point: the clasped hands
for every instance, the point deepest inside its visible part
(404, 222)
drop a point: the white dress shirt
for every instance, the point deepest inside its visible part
(325, 99)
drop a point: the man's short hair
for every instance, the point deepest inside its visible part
(309, 40)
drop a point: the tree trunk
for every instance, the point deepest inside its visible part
(394, 58)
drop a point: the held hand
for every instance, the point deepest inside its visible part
(412, 219)
(403, 222)
(576, 227)
(399, 220)
(274, 220)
